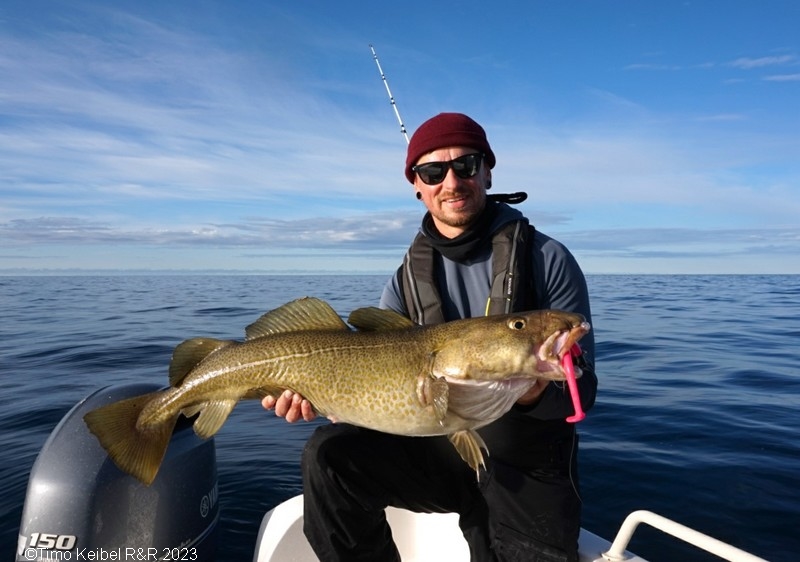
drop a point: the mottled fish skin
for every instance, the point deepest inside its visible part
(388, 375)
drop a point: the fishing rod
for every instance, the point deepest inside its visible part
(388, 91)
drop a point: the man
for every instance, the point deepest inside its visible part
(474, 255)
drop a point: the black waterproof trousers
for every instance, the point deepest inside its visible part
(351, 474)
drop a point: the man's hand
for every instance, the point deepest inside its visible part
(291, 406)
(534, 393)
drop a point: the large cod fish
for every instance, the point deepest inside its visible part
(389, 375)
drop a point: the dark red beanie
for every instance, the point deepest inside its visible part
(443, 130)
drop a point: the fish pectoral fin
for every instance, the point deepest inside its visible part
(371, 319)
(440, 393)
(212, 416)
(138, 452)
(469, 444)
(433, 391)
(189, 354)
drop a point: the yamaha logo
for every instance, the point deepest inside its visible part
(208, 501)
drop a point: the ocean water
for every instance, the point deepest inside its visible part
(697, 418)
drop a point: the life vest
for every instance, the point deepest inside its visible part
(512, 287)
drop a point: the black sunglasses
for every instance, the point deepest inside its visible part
(464, 167)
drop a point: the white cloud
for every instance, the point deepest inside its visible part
(748, 63)
(378, 230)
(783, 78)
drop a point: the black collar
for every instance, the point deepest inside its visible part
(468, 243)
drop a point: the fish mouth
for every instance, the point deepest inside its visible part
(560, 343)
(556, 346)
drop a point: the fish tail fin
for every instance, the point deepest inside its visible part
(138, 452)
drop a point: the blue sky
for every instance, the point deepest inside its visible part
(651, 136)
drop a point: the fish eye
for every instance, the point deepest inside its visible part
(516, 323)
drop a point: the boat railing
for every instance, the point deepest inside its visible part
(724, 550)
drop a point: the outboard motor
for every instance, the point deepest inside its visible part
(80, 506)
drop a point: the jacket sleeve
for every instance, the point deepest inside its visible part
(391, 297)
(560, 284)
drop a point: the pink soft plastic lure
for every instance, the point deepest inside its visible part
(569, 370)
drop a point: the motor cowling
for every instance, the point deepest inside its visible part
(79, 505)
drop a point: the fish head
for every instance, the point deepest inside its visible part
(526, 345)
(489, 363)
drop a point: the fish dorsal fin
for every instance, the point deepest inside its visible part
(297, 316)
(189, 354)
(376, 319)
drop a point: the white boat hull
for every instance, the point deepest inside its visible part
(420, 537)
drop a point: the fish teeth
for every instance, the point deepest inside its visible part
(546, 350)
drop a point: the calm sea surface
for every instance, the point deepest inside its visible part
(697, 418)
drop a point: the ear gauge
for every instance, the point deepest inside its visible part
(419, 196)
(488, 184)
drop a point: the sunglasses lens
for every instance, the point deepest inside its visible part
(464, 167)
(433, 173)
